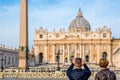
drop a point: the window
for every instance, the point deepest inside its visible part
(49, 36)
(57, 35)
(9, 60)
(65, 35)
(104, 35)
(16, 60)
(94, 35)
(86, 35)
(41, 36)
(12, 60)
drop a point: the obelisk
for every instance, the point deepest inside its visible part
(23, 41)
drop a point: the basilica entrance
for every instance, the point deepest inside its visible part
(40, 57)
(87, 58)
(104, 55)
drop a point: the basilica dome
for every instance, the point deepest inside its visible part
(79, 23)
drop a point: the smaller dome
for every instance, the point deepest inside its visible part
(79, 23)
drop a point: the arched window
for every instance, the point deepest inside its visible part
(104, 35)
(104, 55)
(41, 36)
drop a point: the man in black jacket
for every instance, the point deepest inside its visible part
(77, 73)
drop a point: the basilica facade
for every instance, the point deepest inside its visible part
(79, 41)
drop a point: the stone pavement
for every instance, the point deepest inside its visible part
(118, 78)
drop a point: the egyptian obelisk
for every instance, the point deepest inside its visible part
(23, 41)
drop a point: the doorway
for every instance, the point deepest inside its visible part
(87, 58)
(40, 57)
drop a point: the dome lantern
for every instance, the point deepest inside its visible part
(79, 14)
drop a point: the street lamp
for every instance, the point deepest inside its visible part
(58, 60)
(2, 63)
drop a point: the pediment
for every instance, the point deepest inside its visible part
(71, 38)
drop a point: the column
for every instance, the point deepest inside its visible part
(80, 52)
(109, 54)
(45, 56)
(99, 54)
(90, 53)
(63, 54)
(75, 50)
(83, 52)
(68, 55)
(53, 53)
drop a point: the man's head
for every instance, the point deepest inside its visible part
(103, 63)
(78, 62)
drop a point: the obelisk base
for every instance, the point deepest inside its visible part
(22, 61)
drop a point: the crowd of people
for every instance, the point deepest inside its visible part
(75, 71)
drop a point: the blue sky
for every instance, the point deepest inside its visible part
(56, 14)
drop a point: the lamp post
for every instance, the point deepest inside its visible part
(58, 60)
(2, 63)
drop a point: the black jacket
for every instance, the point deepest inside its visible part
(78, 74)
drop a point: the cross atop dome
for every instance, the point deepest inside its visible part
(79, 14)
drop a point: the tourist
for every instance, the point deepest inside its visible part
(105, 73)
(75, 72)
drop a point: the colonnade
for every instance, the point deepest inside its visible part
(76, 50)
(84, 51)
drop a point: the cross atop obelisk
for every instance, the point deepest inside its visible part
(23, 43)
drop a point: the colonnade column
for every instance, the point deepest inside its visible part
(83, 52)
(68, 54)
(61, 57)
(110, 56)
(45, 56)
(63, 53)
(80, 52)
(99, 54)
(75, 51)
(53, 53)
(90, 53)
